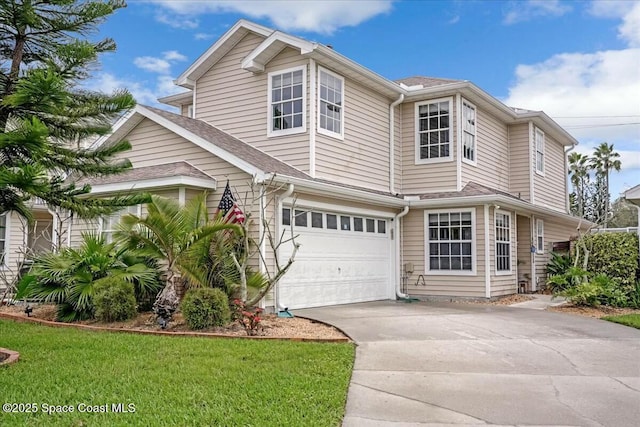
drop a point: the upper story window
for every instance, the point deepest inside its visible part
(433, 131)
(539, 140)
(468, 131)
(330, 104)
(287, 89)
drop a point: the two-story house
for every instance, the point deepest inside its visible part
(422, 186)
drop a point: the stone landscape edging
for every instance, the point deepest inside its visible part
(14, 356)
(20, 318)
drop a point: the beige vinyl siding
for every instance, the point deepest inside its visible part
(519, 166)
(550, 190)
(502, 284)
(524, 248)
(554, 231)
(431, 177)
(15, 246)
(397, 135)
(492, 154)
(362, 158)
(413, 251)
(235, 101)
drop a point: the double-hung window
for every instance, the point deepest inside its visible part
(450, 241)
(433, 131)
(539, 236)
(287, 91)
(503, 242)
(3, 239)
(109, 223)
(468, 131)
(539, 141)
(330, 104)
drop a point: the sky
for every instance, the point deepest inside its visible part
(579, 61)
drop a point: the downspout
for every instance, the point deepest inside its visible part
(392, 160)
(396, 223)
(284, 195)
(487, 251)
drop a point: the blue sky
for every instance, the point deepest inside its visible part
(579, 61)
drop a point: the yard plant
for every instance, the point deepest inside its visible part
(179, 381)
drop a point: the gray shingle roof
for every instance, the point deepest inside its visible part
(471, 189)
(239, 148)
(165, 170)
(425, 81)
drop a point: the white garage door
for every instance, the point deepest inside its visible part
(342, 259)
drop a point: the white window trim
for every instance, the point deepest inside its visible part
(537, 131)
(473, 162)
(495, 238)
(539, 250)
(427, 269)
(320, 130)
(418, 160)
(292, 131)
(101, 220)
(4, 262)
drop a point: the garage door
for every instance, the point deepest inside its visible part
(342, 259)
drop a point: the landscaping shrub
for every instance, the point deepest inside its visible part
(558, 264)
(573, 276)
(205, 307)
(114, 301)
(600, 290)
(615, 255)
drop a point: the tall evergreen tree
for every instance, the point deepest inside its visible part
(45, 55)
(604, 161)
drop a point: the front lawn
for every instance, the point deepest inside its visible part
(171, 380)
(632, 320)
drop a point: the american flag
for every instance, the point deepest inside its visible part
(229, 208)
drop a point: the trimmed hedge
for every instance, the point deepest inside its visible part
(114, 301)
(613, 254)
(205, 307)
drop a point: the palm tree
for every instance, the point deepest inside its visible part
(69, 278)
(604, 161)
(579, 167)
(178, 237)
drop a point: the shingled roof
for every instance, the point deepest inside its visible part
(425, 81)
(165, 170)
(469, 190)
(239, 148)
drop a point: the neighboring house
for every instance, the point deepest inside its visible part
(394, 181)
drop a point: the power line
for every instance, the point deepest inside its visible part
(600, 126)
(595, 117)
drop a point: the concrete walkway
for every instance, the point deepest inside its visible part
(424, 364)
(540, 302)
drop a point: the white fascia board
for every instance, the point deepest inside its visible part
(178, 99)
(171, 181)
(120, 128)
(548, 125)
(323, 51)
(203, 143)
(632, 195)
(497, 199)
(330, 190)
(185, 80)
(261, 55)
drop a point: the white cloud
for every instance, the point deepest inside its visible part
(173, 55)
(153, 65)
(593, 95)
(323, 17)
(630, 28)
(519, 11)
(610, 8)
(108, 83)
(181, 22)
(203, 36)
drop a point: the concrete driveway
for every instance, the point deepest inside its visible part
(470, 364)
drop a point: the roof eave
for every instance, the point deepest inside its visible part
(177, 99)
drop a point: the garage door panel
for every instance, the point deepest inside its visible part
(336, 267)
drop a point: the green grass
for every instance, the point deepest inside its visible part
(632, 320)
(172, 381)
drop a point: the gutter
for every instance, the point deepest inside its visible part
(276, 291)
(396, 274)
(392, 166)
